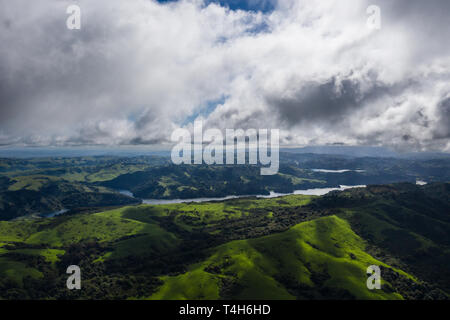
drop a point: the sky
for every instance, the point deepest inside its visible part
(138, 70)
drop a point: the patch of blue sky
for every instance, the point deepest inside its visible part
(264, 6)
(246, 5)
(204, 110)
(262, 27)
(255, 29)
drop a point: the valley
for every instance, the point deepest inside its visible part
(41, 186)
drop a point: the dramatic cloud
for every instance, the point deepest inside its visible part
(139, 69)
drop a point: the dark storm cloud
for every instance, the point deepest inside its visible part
(44, 67)
(428, 15)
(428, 22)
(317, 102)
(329, 102)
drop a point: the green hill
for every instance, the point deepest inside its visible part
(293, 247)
(319, 259)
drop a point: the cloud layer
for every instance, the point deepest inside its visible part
(139, 69)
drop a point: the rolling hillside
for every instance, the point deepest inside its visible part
(294, 247)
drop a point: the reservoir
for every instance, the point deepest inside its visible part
(309, 192)
(337, 171)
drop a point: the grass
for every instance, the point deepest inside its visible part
(17, 271)
(307, 261)
(380, 227)
(195, 284)
(153, 240)
(50, 255)
(102, 227)
(74, 171)
(207, 213)
(3, 250)
(296, 181)
(16, 231)
(146, 236)
(321, 246)
(110, 173)
(32, 182)
(149, 236)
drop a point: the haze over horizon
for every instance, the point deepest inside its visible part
(165, 151)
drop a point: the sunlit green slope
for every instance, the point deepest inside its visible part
(323, 258)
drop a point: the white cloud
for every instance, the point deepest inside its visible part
(138, 69)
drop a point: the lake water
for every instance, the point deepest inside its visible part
(309, 192)
(336, 171)
(126, 193)
(55, 213)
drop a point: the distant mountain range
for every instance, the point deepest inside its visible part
(132, 151)
(361, 151)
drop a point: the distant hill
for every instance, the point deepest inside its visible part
(363, 151)
(44, 185)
